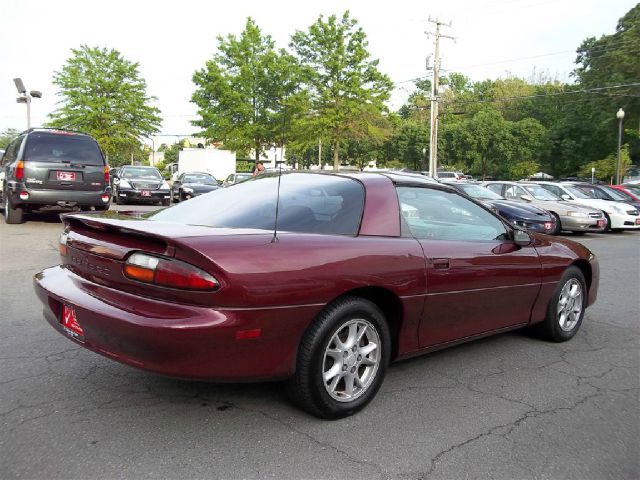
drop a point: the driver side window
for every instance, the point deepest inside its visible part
(441, 215)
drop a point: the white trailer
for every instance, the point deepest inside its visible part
(219, 163)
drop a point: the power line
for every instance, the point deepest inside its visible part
(556, 94)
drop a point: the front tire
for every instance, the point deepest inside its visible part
(566, 307)
(342, 359)
(558, 227)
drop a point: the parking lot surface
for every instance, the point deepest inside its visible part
(505, 407)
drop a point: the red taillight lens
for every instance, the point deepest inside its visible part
(106, 175)
(168, 273)
(62, 246)
(20, 170)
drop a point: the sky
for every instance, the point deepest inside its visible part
(171, 40)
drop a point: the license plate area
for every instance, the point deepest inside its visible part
(70, 324)
(145, 193)
(638, 221)
(66, 176)
(601, 223)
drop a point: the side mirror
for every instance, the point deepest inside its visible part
(564, 196)
(520, 237)
(526, 198)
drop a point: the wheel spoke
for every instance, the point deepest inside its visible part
(366, 361)
(332, 372)
(367, 349)
(334, 383)
(335, 354)
(353, 335)
(361, 334)
(348, 384)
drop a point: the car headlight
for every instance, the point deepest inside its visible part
(187, 190)
(124, 184)
(165, 186)
(573, 213)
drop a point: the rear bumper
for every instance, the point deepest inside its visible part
(175, 339)
(64, 198)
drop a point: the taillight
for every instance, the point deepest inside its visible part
(168, 273)
(20, 170)
(106, 175)
(62, 246)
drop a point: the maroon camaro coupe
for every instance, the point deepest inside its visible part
(319, 279)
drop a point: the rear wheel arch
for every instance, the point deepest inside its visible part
(388, 303)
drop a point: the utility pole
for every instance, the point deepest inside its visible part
(433, 142)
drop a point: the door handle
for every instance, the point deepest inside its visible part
(440, 263)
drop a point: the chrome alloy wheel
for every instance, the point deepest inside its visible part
(351, 360)
(570, 305)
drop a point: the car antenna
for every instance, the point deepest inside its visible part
(275, 225)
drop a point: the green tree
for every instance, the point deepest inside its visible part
(6, 137)
(242, 92)
(346, 91)
(103, 95)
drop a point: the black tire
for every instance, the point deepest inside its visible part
(552, 328)
(308, 389)
(166, 202)
(116, 198)
(558, 223)
(607, 219)
(12, 215)
(102, 208)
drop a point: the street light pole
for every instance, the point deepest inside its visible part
(26, 97)
(619, 116)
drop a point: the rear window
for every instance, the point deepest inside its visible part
(62, 148)
(200, 178)
(309, 203)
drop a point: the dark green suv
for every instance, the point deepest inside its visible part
(52, 168)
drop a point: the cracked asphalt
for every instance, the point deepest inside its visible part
(506, 407)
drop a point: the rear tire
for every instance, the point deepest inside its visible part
(166, 202)
(12, 215)
(566, 307)
(342, 359)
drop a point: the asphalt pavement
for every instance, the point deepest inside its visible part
(507, 407)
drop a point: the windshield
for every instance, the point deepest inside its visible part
(312, 203)
(200, 178)
(141, 172)
(578, 193)
(478, 192)
(613, 193)
(540, 193)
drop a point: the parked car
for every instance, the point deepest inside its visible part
(192, 184)
(236, 178)
(324, 294)
(568, 216)
(633, 194)
(619, 215)
(517, 213)
(445, 175)
(605, 192)
(141, 184)
(44, 168)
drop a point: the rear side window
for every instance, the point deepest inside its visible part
(309, 203)
(62, 148)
